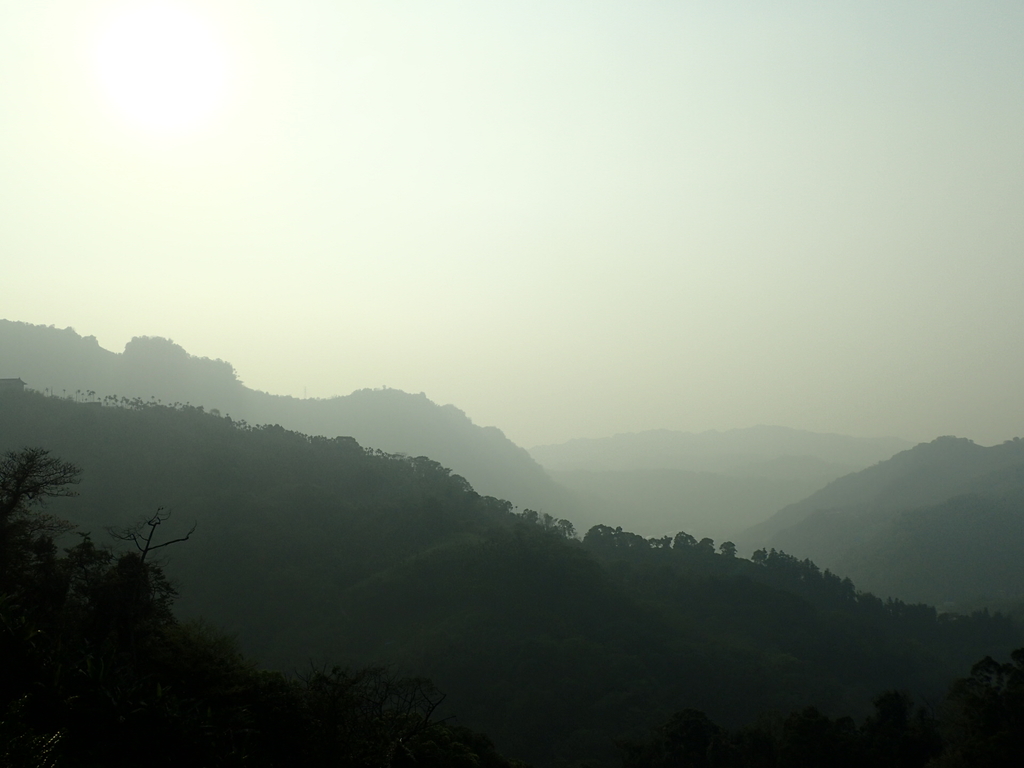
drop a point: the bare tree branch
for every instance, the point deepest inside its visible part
(143, 540)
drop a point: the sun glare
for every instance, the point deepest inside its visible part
(162, 66)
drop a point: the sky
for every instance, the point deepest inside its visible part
(569, 219)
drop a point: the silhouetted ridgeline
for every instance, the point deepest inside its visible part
(64, 363)
(941, 523)
(715, 483)
(318, 548)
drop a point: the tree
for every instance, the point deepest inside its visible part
(143, 540)
(686, 739)
(566, 528)
(366, 717)
(683, 539)
(30, 476)
(985, 714)
(27, 478)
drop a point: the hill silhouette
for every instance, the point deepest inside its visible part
(317, 548)
(941, 522)
(714, 483)
(62, 362)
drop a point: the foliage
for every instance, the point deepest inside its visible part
(978, 725)
(97, 671)
(985, 715)
(317, 548)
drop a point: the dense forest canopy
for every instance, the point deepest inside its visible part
(97, 671)
(555, 645)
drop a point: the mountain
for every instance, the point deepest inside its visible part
(738, 450)
(313, 549)
(942, 522)
(962, 554)
(62, 362)
(712, 483)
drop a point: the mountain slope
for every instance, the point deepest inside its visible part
(961, 554)
(65, 363)
(317, 549)
(941, 522)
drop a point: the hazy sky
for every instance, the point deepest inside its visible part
(568, 218)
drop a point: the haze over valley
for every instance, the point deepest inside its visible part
(571, 220)
(855, 505)
(713, 483)
(491, 385)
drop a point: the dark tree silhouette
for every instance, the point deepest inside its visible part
(143, 540)
(31, 475)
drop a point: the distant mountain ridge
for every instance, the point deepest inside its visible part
(713, 450)
(710, 483)
(924, 475)
(942, 522)
(65, 363)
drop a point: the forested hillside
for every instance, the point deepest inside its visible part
(95, 670)
(319, 549)
(962, 554)
(62, 362)
(941, 523)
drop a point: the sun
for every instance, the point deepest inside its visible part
(161, 66)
